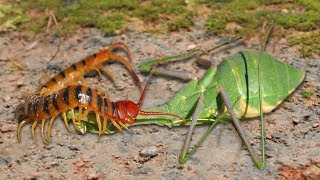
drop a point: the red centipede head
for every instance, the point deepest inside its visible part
(126, 111)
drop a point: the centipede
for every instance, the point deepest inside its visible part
(76, 72)
(41, 108)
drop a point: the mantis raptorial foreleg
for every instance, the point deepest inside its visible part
(186, 153)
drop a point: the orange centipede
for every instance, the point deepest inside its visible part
(77, 71)
(43, 107)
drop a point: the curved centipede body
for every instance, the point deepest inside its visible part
(40, 108)
(76, 72)
(43, 107)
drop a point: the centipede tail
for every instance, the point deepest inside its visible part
(76, 72)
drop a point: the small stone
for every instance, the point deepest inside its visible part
(284, 11)
(7, 128)
(149, 152)
(255, 178)
(3, 161)
(296, 121)
(191, 46)
(94, 176)
(268, 136)
(315, 125)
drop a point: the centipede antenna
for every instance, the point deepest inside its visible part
(161, 113)
(146, 85)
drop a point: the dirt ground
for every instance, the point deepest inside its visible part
(292, 130)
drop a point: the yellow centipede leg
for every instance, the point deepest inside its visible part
(64, 117)
(84, 114)
(123, 125)
(74, 121)
(79, 114)
(34, 125)
(99, 124)
(104, 126)
(42, 131)
(116, 125)
(49, 127)
(20, 127)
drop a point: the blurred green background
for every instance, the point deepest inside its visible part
(296, 20)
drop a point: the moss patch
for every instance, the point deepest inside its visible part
(228, 17)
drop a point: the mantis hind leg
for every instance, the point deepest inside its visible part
(260, 163)
(185, 152)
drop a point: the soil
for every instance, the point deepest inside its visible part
(149, 151)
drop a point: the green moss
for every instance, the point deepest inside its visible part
(111, 23)
(307, 93)
(10, 17)
(182, 21)
(235, 17)
(304, 21)
(309, 43)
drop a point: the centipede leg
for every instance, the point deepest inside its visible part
(42, 131)
(105, 70)
(64, 117)
(20, 127)
(84, 114)
(123, 125)
(124, 46)
(74, 120)
(116, 125)
(99, 124)
(128, 66)
(34, 125)
(49, 128)
(104, 127)
(79, 115)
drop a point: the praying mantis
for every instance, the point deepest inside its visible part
(243, 86)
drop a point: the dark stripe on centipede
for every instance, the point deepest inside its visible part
(113, 106)
(100, 102)
(83, 62)
(66, 95)
(22, 117)
(62, 74)
(95, 55)
(29, 108)
(46, 105)
(105, 104)
(35, 108)
(77, 92)
(74, 66)
(53, 80)
(55, 102)
(20, 108)
(89, 94)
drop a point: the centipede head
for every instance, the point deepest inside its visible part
(126, 111)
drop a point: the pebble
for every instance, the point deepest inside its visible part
(149, 152)
(315, 125)
(3, 161)
(7, 128)
(296, 121)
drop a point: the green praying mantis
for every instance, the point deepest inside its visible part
(245, 85)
